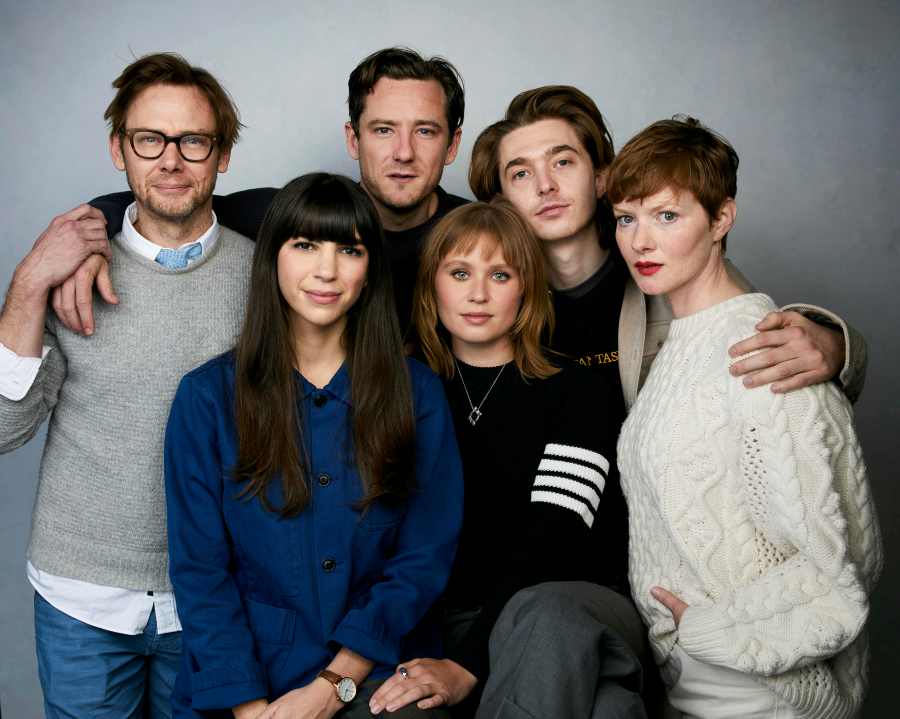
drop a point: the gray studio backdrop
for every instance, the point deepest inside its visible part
(806, 91)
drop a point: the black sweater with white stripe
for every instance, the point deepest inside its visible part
(542, 495)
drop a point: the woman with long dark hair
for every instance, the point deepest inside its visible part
(312, 477)
(542, 503)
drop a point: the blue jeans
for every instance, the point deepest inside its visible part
(94, 673)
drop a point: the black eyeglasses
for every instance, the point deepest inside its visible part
(149, 144)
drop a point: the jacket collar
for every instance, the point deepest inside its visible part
(338, 386)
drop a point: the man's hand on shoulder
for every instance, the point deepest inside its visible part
(73, 300)
(57, 253)
(794, 352)
(68, 240)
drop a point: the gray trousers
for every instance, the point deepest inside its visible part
(565, 650)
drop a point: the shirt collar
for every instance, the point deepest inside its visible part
(136, 242)
(337, 388)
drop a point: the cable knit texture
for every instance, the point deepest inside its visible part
(100, 514)
(754, 508)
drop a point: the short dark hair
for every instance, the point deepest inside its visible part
(402, 63)
(680, 154)
(168, 68)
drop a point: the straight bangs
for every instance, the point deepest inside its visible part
(332, 209)
(490, 231)
(466, 241)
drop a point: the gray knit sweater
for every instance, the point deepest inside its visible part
(100, 513)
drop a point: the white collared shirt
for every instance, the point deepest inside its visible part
(17, 373)
(135, 241)
(124, 611)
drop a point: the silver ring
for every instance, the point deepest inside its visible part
(403, 672)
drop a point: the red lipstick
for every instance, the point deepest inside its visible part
(647, 268)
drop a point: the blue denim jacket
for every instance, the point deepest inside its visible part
(266, 601)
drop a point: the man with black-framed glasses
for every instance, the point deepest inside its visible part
(150, 144)
(107, 630)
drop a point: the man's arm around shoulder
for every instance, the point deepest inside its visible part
(62, 246)
(66, 243)
(801, 345)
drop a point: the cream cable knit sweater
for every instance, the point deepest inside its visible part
(755, 509)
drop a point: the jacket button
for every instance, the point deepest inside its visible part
(328, 565)
(320, 400)
(324, 479)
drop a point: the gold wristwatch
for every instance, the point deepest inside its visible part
(344, 686)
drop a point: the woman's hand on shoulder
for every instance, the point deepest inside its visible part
(428, 682)
(316, 700)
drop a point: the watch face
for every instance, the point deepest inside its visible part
(346, 689)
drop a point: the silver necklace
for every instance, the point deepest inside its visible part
(476, 413)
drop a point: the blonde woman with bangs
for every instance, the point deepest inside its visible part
(542, 499)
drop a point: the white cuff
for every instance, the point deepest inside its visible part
(17, 373)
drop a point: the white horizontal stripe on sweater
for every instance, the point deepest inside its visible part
(555, 466)
(579, 453)
(570, 485)
(562, 500)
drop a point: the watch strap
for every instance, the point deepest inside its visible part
(344, 687)
(330, 676)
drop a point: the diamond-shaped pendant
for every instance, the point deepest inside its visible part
(474, 415)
